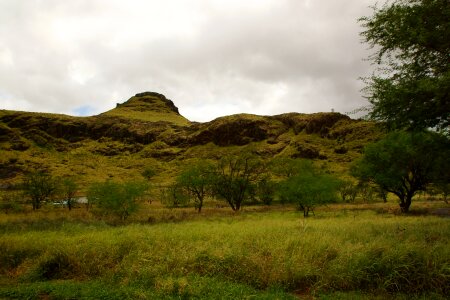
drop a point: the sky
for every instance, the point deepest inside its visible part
(211, 57)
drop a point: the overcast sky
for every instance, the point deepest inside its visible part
(211, 57)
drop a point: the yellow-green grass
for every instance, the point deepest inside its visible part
(149, 116)
(147, 108)
(267, 254)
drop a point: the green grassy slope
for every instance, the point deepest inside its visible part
(150, 107)
(147, 130)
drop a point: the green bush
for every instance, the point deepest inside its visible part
(309, 188)
(118, 199)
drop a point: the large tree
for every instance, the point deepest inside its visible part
(411, 85)
(404, 163)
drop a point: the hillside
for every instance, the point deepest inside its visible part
(147, 130)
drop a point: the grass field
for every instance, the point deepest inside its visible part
(344, 252)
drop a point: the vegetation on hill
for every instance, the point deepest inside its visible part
(147, 131)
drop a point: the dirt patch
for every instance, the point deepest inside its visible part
(442, 212)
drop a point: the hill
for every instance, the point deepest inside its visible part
(147, 130)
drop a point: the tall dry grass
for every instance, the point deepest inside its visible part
(358, 250)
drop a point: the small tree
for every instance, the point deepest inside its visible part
(39, 186)
(67, 190)
(309, 189)
(174, 196)
(404, 163)
(119, 199)
(148, 174)
(197, 181)
(348, 191)
(366, 191)
(235, 177)
(266, 189)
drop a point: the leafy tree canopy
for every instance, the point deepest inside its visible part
(119, 199)
(39, 186)
(309, 188)
(197, 181)
(235, 177)
(67, 190)
(404, 162)
(411, 85)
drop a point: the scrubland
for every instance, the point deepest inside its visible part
(354, 251)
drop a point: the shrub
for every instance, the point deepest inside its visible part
(118, 199)
(308, 189)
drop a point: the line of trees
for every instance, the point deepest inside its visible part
(109, 198)
(237, 179)
(233, 179)
(40, 186)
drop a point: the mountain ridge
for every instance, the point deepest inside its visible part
(148, 129)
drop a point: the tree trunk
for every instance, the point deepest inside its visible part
(405, 204)
(305, 212)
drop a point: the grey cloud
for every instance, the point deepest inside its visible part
(290, 57)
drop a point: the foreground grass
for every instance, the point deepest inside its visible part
(264, 255)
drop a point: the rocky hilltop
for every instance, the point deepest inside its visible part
(148, 129)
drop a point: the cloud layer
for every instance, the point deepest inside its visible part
(211, 57)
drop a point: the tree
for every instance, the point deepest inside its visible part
(174, 196)
(67, 189)
(197, 181)
(348, 191)
(309, 189)
(404, 163)
(119, 199)
(266, 189)
(411, 86)
(38, 186)
(235, 177)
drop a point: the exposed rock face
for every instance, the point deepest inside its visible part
(318, 123)
(234, 131)
(149, 117)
